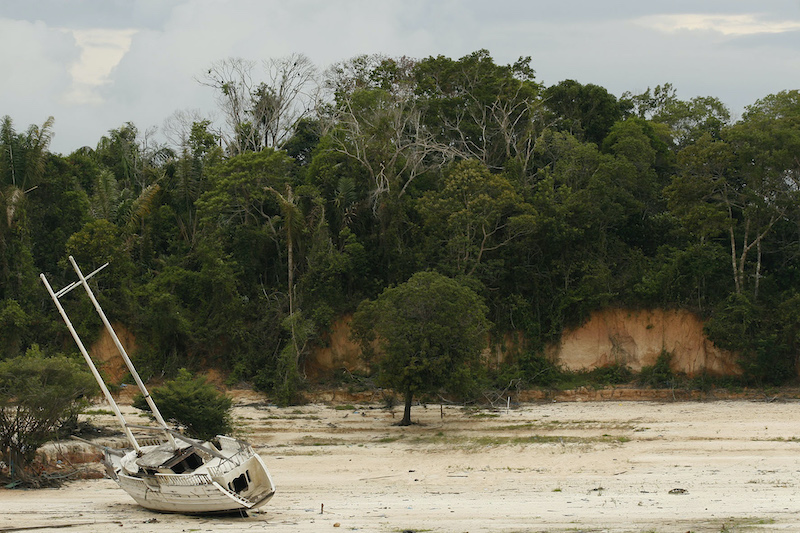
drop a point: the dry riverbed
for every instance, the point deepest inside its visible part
(616, 466)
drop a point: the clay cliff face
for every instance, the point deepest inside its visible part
(633, 338)
(637, 338)
(106, 357)
(340, 353)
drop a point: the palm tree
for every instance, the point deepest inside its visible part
(22, 164)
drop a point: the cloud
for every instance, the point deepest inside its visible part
(89, 14)
(96, 64)
(101, 51)
(35, 66)
(729, 25)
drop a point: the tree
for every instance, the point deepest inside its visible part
(586, 111)
(687, 120)
(477, 109)
(98, 242)
(430, 331)
(22, 164)
(37, 394)
(246, 215)
(200, 151)
(192, 402)
(253, 202)
(766, 174)
(294, 224)
(262, 114)
(127, 184)
(748, 180)
(120, 152)
(23, 159)
(475, 213)
(285, 98)
(56, 209)
(301, 144)
(375, 120)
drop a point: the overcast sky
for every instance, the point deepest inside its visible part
(95, 64)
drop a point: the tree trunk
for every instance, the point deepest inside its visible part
(733, 260)
(758, 269)
(290, 257)
(406, 421)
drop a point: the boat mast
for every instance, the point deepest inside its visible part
(88, 359)
(153, 409)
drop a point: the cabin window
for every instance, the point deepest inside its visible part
(238, 484)
(188, 464)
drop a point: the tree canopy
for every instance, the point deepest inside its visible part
(430, 331)
(240, 244)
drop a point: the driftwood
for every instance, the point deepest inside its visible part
(57, 526)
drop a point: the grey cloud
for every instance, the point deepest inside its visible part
(590, 41)
(80, 14)
(789, 40)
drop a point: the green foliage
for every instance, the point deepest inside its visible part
(749, 330)
(240, 192)
(613, 374)
(537, 370)
(190, 311)
(281, 376)
(57, 209)
(687, 121)
(456, 94)
(99, 242)
(38, 394)
(548, 202)
(587, 111)
(13, 322)
(475, 214)
(430, 329)
(301, 145)
(286, 377)
(659, 375)
(194, 403)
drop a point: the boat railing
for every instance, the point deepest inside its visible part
(183, 479)
(130, 480)
(151, 441)
(229, 463)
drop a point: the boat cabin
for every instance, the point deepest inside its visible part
(165, 460)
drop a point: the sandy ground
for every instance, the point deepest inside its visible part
(551, 466)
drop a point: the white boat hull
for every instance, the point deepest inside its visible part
(238, 482)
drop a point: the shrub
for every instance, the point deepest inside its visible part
(614, 374)
(193, 403)
(659, 375)
(38, 394)
(537, 369)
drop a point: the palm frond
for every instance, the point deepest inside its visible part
(142, 206)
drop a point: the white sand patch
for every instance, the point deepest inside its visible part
(605, 466)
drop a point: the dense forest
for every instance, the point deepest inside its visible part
(236, 243)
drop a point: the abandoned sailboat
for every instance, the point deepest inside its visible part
(180, 475)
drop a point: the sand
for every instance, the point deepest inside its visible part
(550, 466)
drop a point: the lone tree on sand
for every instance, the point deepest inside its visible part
(429, 330)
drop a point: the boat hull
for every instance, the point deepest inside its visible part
(239, 483)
